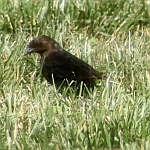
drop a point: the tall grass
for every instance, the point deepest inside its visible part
(112, 36)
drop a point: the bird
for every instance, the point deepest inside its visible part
(60, 66)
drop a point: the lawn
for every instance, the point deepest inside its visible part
(113, 37)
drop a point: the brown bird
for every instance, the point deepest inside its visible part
(64, 66)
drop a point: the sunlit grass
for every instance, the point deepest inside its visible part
(112, 37)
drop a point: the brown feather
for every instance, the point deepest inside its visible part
(63, 65)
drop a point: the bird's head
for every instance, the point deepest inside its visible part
(42, 44)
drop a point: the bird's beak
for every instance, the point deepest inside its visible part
(29, 51)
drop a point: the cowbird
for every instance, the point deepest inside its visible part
(59, 65)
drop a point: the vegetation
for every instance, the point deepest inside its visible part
(112, 36)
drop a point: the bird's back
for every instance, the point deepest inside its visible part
(64, 65)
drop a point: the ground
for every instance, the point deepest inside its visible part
(112, 37)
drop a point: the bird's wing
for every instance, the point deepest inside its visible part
(65, 65)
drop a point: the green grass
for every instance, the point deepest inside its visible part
(112, 36)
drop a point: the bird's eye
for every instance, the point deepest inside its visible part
(40, 43)
(37, 44)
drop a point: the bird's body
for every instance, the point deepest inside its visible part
(60, 64)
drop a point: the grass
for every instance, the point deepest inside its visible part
(111, 36)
